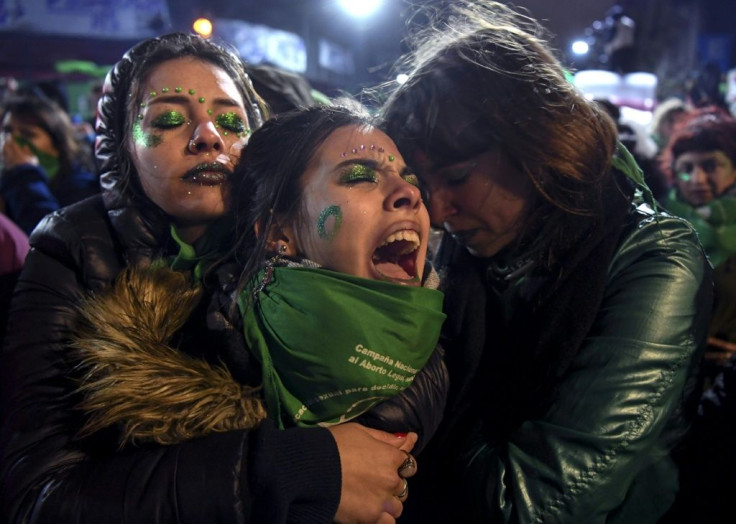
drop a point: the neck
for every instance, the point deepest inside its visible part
(190, 233)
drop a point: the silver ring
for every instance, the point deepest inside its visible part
(408, 467)
(405, 491)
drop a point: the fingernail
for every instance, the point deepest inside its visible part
(400, 435)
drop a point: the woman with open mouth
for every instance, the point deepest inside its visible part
(336, 236)
(339, 303)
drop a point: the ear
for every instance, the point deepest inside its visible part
(279, 239)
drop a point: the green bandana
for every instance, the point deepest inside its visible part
(625, 162)
(333, 345)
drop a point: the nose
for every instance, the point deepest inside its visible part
(404, 196)
(698, 175)
(205, 139)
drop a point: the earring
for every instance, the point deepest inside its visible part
(282, 249)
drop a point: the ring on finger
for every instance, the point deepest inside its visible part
(405, 491)
(408, 467)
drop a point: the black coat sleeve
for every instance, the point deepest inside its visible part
(419, 407)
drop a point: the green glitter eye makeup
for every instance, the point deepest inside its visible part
(359, 173)
(231, 121)
(168, 119)
(412, 179)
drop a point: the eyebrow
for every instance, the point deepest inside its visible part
(187, 99)
(367, 162)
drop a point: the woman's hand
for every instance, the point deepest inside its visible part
(370, 461)
(15, 154)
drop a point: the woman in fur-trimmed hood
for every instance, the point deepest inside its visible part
(175, 114)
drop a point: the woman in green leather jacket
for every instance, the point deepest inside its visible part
(577, 314)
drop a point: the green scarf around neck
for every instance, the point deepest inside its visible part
(332, 345)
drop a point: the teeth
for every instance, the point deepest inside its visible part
(412, 237)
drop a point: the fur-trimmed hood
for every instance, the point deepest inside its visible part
(132, 377)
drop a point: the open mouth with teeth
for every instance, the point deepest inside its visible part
(396, 258)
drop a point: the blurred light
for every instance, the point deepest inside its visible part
(402, 78)
(360, 8)
(580, 47)
(202, 27)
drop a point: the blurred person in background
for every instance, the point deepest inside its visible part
(13, 250)
(700, 161)
(642, 148)
(666, 117)
(44, 166)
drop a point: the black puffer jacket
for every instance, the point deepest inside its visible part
(50, 476)
(47, 473)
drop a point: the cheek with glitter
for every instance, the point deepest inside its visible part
(329, 222)
(144, 139)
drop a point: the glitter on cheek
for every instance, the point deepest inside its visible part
(144, 139)
(335, 212)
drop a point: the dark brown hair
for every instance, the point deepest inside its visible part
(485, 78)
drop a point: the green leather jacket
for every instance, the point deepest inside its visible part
(599, 446)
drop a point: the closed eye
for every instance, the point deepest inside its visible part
(231, 121)
(358, 173)
(168, 120)
(411, 178)
(457, 176)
